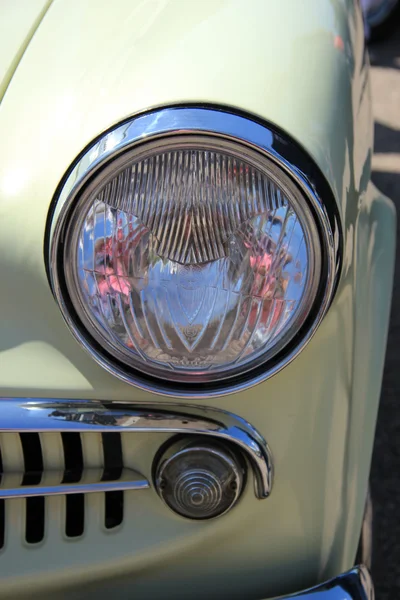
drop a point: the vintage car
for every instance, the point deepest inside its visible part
(196, 276)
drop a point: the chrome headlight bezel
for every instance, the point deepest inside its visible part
(214, 123)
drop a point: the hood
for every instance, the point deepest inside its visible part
(93, 64)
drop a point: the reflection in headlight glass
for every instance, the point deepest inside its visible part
(193, 264)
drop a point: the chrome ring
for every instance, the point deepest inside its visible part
(217, 123)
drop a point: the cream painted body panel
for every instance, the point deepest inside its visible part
(300, 65)
(19, 20)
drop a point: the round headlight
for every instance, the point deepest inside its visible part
(184, 257)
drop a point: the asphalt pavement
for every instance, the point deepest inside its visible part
(385, 475)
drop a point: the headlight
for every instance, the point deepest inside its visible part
(185, 254)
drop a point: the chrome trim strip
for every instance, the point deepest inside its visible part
(129, 480)
(214, 122)
(353, 585)
(59, 415)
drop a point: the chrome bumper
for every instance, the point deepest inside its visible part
(353, 585)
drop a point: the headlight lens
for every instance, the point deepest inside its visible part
(191, 259)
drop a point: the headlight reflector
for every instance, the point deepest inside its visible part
(191, 258)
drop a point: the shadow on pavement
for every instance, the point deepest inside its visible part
(387, 139)
(386, 53)
(385, 473)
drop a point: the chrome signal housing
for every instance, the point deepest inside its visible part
(189, 253)
(199, 479)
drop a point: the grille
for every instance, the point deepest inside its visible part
(29, 459)
(60, 460)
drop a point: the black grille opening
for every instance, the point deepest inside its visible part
(114, 509)
(2, 522)
(75, 503)
(33, 459)
(33, 470)
(34, 532)
(75, 515)
(113, 465)
(73, 457)
(2, 508)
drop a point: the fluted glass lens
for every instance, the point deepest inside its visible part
(192, 264)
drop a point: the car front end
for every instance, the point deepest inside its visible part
(196, 277)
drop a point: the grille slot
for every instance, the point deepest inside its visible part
(33, 458)
(35, 507)
(2, 522)
(34, 532)
(75, 504)
(2, 508)
(113, 463)
(75, 515)
(73, 457)
(114, 509)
